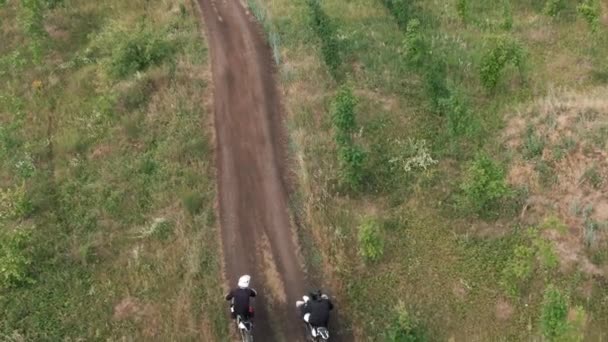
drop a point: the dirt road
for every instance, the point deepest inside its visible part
(257, 234)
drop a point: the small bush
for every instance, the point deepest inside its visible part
(402, 10)
(436, 86)
(554, 314)
(351, 156)
(507, 15)
(413, 155)
(546, 253)
(14, 203)
(371, 243)
(591, 11)
(593, 177)
(137, 51)
(352, 159)
(504, 51)
(15, 258)
(414, 45)
(534, 144)
(462, 8)
(405, 327)
(460, 119)
(325, 30)
(484, 185)
(518, 270)
(554, 7)
(343, 114)
(193, 202)
(31, 18)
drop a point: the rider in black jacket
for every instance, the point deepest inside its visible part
(316, 310)
(240, 299)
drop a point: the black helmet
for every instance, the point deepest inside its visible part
(315, 294)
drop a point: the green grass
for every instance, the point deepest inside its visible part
(445, 263)
(103, 125)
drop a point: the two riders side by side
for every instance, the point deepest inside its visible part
(314, 310)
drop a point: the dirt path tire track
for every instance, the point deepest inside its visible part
(257, 234)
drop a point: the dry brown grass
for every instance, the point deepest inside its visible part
(571, 126)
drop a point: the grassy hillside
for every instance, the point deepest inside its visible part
(451, 162)
(106, 190)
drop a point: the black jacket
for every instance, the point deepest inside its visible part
(241, 300)
(319, 312)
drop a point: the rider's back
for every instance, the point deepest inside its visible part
(241, 300)
(319, 312)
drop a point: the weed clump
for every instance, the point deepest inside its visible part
(591, 11)
(534, 144)
(31, 18)
(193, 203)
(371, 244)
(462, 8)
(15, 258)
(554, 7)
(554, 315)
(518, 269)
(401, 10)
(405, 327)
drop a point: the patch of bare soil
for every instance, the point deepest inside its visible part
(561, 158)
(131, 308)
(504, 310)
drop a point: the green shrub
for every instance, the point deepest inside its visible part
(484, 185)
(591, 11)
(518, 269)
(460, 119)
(402, 10)
(14, 203)
(462, 8)
(507, 15)
(414, 45)
(554, 314)
(31, 18)
(325, 30)
(351, 156)
(554, 7)
(405, 327)
(352, 159)
(504, 51)
(193, 202)
(546, 253)
(534, 144)
(15, 258)
(343, 115)
(435, 80)
(136, 51)
(371, 243)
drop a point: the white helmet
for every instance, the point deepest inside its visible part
(244, 281)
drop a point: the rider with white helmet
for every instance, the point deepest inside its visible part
(240, 298)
